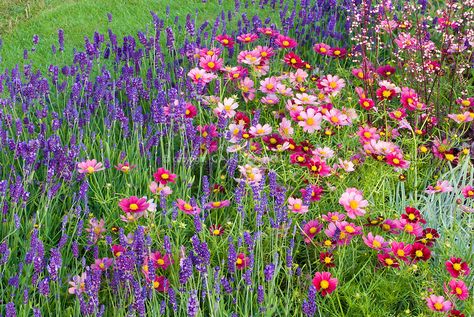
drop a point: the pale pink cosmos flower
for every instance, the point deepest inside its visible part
(249, 58)
(160, 189)
(336, 117)
(346, 165)
(226, 108)
(311, 120)
(305, 99)
(269, 85)
(251, 174)
(441, 187)
(353, 202)
(334, 216)
(406, 41)
(260, 130)
(284, 91)
(187, 208)
(296, 206)
(323, 152)
(78, 284)
(247, 89)
(101, 264)
(199, 75)
(332, 84)
(235, 132)
(438, 303)
(298, 77)
(462, 117)
(96, 228)
(285, 129)
(374, 242)
(270, 99)
(89, 167)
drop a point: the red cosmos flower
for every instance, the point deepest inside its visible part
(293, 60)
(117, 250)
(428, 237)
(191, 111)
(164, 176)
(419, 252)
(366, 103)
(327, 258)
(413, 215)
(216, 230)
(387, 260)
(133, 204)
(384, 93)
(161, 284)
(305, 146)
(225, 40)
(318, 166)
(386, 71)
(456, 267)
(273, 141)
(337, 52)
(324, 283)
(316, 192)
(161, 261)
(242, 261)
(242, 118)
(285, 41)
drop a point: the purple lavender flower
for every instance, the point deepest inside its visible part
(193, 304)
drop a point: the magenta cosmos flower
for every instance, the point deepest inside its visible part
(163, 176)
(89, 167)
(161, 261)
(456, 267)
(468, 192)
(438, 303)
(133, 204)
(311, 229)
(324, 283)
(217, 204)
(458, 288)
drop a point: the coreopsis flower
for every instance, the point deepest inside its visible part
(226, 108)
(311, 229)
(89, 167)
(455, 313)
(125, 167)
(295, 205)
(247, 37)
(225, 40)
(419, 252)
(457, 267)
(96, 228)
(242, 261)
(468, 191)
(160, 261)
(78, 284)
(216, 230)
(160, 189)
(458, 288)
(285, 41)
(441, 187)
(375, 242)
(217, 204)
(161, 284)
(322, 48)
(428, 237)
(398, 114)
(163, 176)
(134, 204)
(327, 259)
(413, 215)
(353, 202)
(317, 166)
(324, 283)
(101, 264)
(310, 120)
(387, 260)
(385, 93)
(191, 111)
(187, 208)
(438, 303)
(401, 250)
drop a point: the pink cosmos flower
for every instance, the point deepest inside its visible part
(247, 37)
(413, 228)
(225, 40)
(311, 229)
(134, 204)
(260, 130)
(396, 160)
(246, 86)
(375, 242)
(468, 191)
(265, 52)
(353, 202)
(285, 41)
(441, 187)
(102, 264)
(298, 77)
(125, 167)
(160, 261)
(336, 117)
(198, 75)
(462, 117)
(310, 120)
(217, 204)
(285, 129)
(89, 167)
(366, 134)
(406, 41)
(269, 85)
(78, 284)
(332, 84)
(268, 31)
(333, 217)
(249, 58)
(322, 48)
(187, 208)
(458, 288)
(296, 206)
(270, 99)
(211, 63)
(251, 175)
(324, 283)
(226, 108)
(438, 303)
(457, 267)
(96, 228)
(387, 260)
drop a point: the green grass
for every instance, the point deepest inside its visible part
(79, 18)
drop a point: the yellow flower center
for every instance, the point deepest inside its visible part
(411, 216)
(102, 265)
(313, 230)
(466, 103)
(160, 261)
(419, 253)
(400, 253)
(396, 161)
(458, 290)
(323, 50)
(334, 119)
(297, 206)
(333, 84)
(324, 284)
(457, 266)
(429, 236)
(408, 228)
(216, 204)
(225, 41)
(270, 86)
(133, 207)
(216, 232)
(145, 268)
(367, 134)
(90, 170)
(349, 229)
(285, 43)
(211, 64)
(310, 121)
(247, 38)
(360, 74)
(239, 261)
(188, 206)
(156, 284)
(353, 204)
(438, 306)
(386, 93)
(165, 176)
(376, 244)
(264, 54)
(337, 52)
(327, 260)
(327, 243)
(389, 261)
